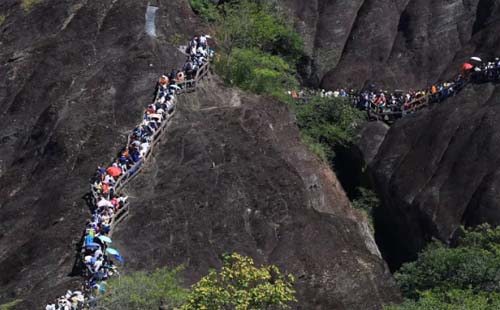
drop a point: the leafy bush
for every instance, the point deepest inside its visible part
(10, 305)
(366, 200)
(242, 286)
(441, 268)
(247, 24)
(144, 291)
(317, 148)
(27, 5)
(466, 276)
(206, 9)
(256, 71)
(330, 122)
(257, 48)
(451, 300)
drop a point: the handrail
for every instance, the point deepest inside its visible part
(123, 212)
(416, 105)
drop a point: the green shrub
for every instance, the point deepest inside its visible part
(247, 24)
(10, 305)
(465, 276)
(256, 71)
(451, 300)
(27, 5)
(206, 9)
(366, 201)
(144, 291)
(441, 268)
(257, 49)
(317, 148)
(330, 122)
(240, 285)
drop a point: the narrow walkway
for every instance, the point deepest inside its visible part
(108, 203)
(387, 106)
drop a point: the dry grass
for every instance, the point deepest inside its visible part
(27, 5)
(9, 305)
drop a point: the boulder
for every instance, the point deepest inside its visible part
(233, 176)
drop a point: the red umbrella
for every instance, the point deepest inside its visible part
(467, 66)
(114, 171)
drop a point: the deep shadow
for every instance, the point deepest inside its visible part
(484, 12)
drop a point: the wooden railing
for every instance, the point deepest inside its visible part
(185, 87)
(416, 105)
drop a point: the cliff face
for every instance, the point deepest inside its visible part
(230, 176)
(395, 44)
(437, 169)
(74, 77)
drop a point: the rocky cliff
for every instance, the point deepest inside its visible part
(231, 174)
(437, 169)
(74, 77)
(396, 44)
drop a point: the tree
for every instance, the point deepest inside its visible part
(330, 122)
(247, 24)
(256, 71)
(451, 300)
(144, 291)
(473, 263)
(240, 285)
(463, 277)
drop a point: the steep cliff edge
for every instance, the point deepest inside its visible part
(226, 179)
(395, 44)
(74, 78)
(437, 169)
(232, 175)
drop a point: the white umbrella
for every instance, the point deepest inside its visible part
(476, 59)
(104, 203)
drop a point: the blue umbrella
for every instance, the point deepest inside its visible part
(119, 258)
(105, 239)
(92, 245)
(112, 251)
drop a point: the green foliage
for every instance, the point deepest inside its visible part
(176, 39)
(317, 148)
(2, 19)
(473, 264)
(366, 200)
(10, 305)
(329, 122)
(256, 71)
(206, 9)
(242, 286)
(249, 24)
(483, 237)
(442, 268)
(451, 300)
(465, 276)
(257, 48)
(144, 291)
(27, 5)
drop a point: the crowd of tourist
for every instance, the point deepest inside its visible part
(98, 259)
(401, 103)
